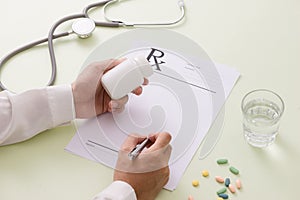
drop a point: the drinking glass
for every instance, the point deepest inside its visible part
(262, 110)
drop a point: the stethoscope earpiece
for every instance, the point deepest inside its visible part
(83, 27)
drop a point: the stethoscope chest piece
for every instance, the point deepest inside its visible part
(83, 27)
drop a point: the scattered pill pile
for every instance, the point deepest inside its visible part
(228, 183)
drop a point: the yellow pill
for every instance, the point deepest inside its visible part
(205, 173)
(195, 183)
(220, 198)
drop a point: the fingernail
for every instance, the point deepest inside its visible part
(117, 110)
(114, 105)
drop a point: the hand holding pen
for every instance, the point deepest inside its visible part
(138, 149)
(147, 171)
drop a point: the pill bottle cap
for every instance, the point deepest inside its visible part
(144, 66)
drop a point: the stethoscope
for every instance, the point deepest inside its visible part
(83, 28)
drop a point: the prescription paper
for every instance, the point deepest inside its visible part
(178, 102)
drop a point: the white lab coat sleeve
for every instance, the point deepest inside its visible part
(117, 190)
(24, 115)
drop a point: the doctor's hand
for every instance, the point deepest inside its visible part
(149, 172)
(90, 98)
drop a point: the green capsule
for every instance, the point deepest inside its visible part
(234, 170)
(222, 161)
(221, 191)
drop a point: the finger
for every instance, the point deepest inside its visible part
(117, 110)
(131, 141)
(122, 101)
(118, 103)
(146, 81)
(138, 91)
(159, 141)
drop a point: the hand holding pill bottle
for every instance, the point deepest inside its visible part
(90, 97)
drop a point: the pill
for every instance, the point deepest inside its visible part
(190, 197)
(227, 182)
(222, 161)
(220, 198)
(221, 191)
(234, 170)
(195, 183)
(219, 179)
(224, 196)
(205, 173)
(238, 184)
(231, 188)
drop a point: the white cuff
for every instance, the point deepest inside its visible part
(61, 104)
(33, 111)
(118, 190)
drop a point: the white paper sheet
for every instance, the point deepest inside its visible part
(182, 103)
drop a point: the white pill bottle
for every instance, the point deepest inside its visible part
(127, 76)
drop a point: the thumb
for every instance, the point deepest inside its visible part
(131, 141)
(159, 140)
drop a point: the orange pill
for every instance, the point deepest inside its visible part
(219, 179)
(231, 188)
(238, 184)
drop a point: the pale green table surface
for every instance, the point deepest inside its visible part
(261, 39)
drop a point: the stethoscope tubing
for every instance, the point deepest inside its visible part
(99, 23)
(84, 14)
(50, 44)
(24, 48)
(52, 36)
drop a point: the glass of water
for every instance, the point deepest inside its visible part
(262, 110)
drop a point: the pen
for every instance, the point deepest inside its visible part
(138, 149)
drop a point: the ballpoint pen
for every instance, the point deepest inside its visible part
(138, 149)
